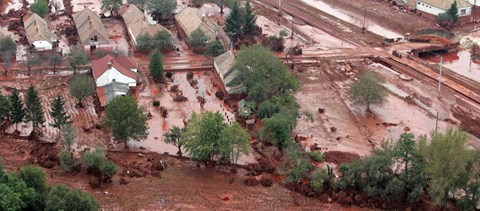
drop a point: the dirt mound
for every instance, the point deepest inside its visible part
(251, 182)
(266, 182)
(469, 120)
(141, 165)
(45, 154)
(338, 157)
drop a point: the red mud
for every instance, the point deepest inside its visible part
(338, 157)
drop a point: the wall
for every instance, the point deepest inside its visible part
(111, 74)
(435, 11)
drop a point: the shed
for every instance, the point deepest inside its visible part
(224, 65)
(38, 34)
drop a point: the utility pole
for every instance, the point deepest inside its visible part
(279, 7)
(291, 36)
(364, 14)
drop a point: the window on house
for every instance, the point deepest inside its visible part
(463, 12)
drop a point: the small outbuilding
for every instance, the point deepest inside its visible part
(108, 92)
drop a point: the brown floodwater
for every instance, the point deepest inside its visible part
(459, 61)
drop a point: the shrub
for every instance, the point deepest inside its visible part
(275, 43)
(67, 163)
(108, 169)
(93, 159)
(267, 109)
(156, 103)
(34, 177)
(220, 95)
(316, 156)
(297, 164)
(317, 179)
(168, 74)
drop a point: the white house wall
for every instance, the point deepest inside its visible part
(42, 45)
(435, 11)
(474, 1)
(113, 73)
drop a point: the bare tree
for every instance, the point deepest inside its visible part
(32, 60)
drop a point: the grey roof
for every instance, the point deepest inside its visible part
(36, 29)
(89, 25)
(137, 23)
(445, 4)
(112, 88)
(190, 20)
(229, 75)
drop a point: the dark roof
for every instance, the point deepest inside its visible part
(100, 66)
(107, 93)
(126, 62)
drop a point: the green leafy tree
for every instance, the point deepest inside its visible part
(68, 133)
(250, 19)
(453, 11)
(145, 43)
(93, 159)
(156, 67)
(34, 108)
(215, 48)
(139, 3)
(63, 198)
(202, 135)
(8, 48)
(17, 114)
(40, 7)
(80, 87)
(264, 74)
(446, 158)
(163, 40)
(5, 107)
(54, 60)
(77, 59)
(162, 7)
(173, 136)
(111, 6)
(234, 23)
(368, 90)
(31, 61)
(124, 129)
(233, 142)
(318, 178)
(198, 39)
(267, 109)
(58, 113)
(297, 165)
(34, 177)
(67, 162)
(108, 169)
(15, 195)
(278, 130)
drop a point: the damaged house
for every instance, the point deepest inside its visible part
(224, 66)
(39, 36)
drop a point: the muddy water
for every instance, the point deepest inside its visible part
(352, 18)
(460, 62)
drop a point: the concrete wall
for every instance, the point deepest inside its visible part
(113, 73)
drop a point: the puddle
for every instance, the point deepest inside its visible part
(460, 62)
(352, 18)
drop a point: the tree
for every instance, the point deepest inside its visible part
(139, 3)
(368, 90)
(318, 178)
(233, 141)
(453, 11)
(161, 7)
(263, 74)
(125, 128)
(58, 113)
(173, 136)
(156, 67)
(16, 195)
(31, 61)
(198, 39)
(63, 198)
(7, 51)
(55, 59)
(40, 7)
(107, 169)
(163, 40)
(201, 135)
(111, 6)
(297, 164)
(215, 48)
(277, 129)
(446, 158)
(34, 177)
(80, 87)
(145, 43)
(68, 133)
(67, 162)
(250, 19)
(34, 108)
(77, 59)
(17, 114)
(93, 159)
(5, 108)
(267, 109)
(234, 23)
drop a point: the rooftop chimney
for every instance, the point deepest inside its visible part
(110, 64)
(36, 29)
(91, 27)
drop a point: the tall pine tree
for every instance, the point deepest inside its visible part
(5, 107)
(58, 113)
(34, 109)
(234, 22)
(156, 66)
(17, 114)
(249, 20)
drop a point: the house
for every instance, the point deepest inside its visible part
(431, 8)
(223, 65)
(108, 92)
(190, 19)
(91, 30)
(39, 36)
(137, 23)
(114, 76)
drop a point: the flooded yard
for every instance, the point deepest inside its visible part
(459, 61)
(178, 112)
(117, 35)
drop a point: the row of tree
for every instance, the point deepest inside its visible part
(239, 22)
(27, 190)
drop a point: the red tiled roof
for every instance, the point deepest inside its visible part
(101, 96)
(100, 66)
(126, 61)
